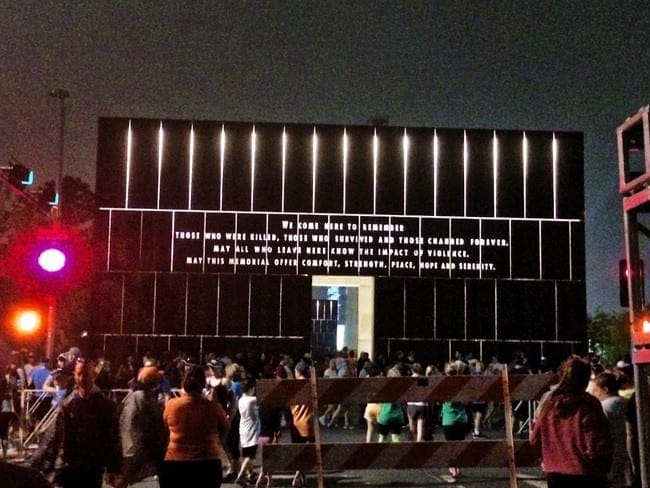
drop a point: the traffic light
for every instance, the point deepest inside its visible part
(48, 261)
(641, 338)
(18, 175)
(623, 272)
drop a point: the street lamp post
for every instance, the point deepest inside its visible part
(61, 94)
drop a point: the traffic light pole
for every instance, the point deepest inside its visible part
(633, 137)
(51, 326)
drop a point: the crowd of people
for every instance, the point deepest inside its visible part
(584, 426)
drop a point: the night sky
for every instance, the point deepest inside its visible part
(535, 65)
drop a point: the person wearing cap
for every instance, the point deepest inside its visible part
(142, 430)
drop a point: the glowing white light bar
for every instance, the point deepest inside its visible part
(465, 171)
(436, 161)
(222, 164)
(524, 157)
(375, 164)
(129, 149)
(161, 141)
(314, 167)
(554, 149)
(284, 161)
(253, 149)
(405, 156)
(191, 169)
(345, 165)
(495, 171)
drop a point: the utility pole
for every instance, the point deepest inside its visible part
(633, 141)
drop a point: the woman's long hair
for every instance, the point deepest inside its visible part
(574, 378)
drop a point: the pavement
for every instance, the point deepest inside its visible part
(403, 478)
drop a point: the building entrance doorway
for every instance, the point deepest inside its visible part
(342, 314)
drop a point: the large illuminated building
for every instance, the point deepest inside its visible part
(224, 237)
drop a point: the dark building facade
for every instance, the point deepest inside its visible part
(210, 234)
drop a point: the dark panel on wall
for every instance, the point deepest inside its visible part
(233, 305)
(188, 346)
(268, 168)
(265, 305)
(124, 249)
(450, 173)
(524, 246)
(481, 307)
(510, 180)
(298, 184)
(111, 162)
(157, 241)
(206, 174)
(419, 307)
(570, 176)
(450, 309)
(578, 250)
(152, 345)
(556, 251)
(202, 304)
(295, 317)
(118, 348)
(389, 307)
(143, 182)
(480, 174)
(390, 171)
(138, 303)
(419, 180)
(107, 303)
(571, 311)
(329, 176)
(359, 190)
(539, 184)
(539, 309)
(511, 315)
(237, 167)
(174, 175)
(171, 293)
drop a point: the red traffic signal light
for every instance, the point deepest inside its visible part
(641, 338)
(48, 261)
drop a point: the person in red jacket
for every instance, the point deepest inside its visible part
(572, 431)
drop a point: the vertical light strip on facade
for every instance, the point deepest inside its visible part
(524, 159)
(314, 168)
(495, 172)
(222, 163)
(554, 149)
(161, 142)
(539, 239)
(191, 168)
(171, 254)
(253, 150)
(375, 164)
(345, 166)
(284, 162)
(129, 149)
(405, 159)
(465, 171)
(436, 156)
(108, 243)
(570, 253)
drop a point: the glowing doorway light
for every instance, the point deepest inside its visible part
(314, 167)
(495, 171)
(161, 141)
(51, 260)
(253, 150)
(284, 161)
(129, 146)
(345, 165)
(222, 164)
(405, 158)
(554, 149)
(191, 169)
(28, 321)
(465, 170)
(436, 156)
(524, 157)
(375, 164)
